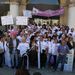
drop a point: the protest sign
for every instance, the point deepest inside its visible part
(21, 20)
(7, 20)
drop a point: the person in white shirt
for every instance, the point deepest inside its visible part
(49, 52)
(43, 44)
(54, 51)
(6, 53)
(23, 47)
(43, 50)
(20, 37)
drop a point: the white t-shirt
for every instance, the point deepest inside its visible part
(28, 39)
(19, 38)
(49, 47)
(54, 28)
(23, 47)
(44, 45)
(59, 32)
(43, 31)
(54, 48)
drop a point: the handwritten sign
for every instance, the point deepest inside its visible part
(7, 20)
(21, 20)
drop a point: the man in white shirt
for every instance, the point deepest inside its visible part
(43, 49)
(54, 51)
(23, 47)
(20, 37)
(49, 53)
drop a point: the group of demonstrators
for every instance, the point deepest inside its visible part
(53, 42)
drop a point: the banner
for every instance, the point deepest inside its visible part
(27, 13)
(21, 20)
(7, 20)
(48, 13)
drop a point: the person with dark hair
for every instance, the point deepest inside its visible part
(33, 52)
(70, 42)
(37, 73)
(22, 72)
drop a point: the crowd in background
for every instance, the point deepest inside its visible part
(53, 42)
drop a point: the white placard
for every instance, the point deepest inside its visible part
(7, 20)
(70, 57)
(27, 13)
(21, 20)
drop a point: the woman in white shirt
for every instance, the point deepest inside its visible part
(23, 47)
(7, 54)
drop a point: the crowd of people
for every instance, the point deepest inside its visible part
(53, 42)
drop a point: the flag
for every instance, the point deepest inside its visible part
(35, 11)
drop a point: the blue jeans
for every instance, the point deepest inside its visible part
(48, 59)
(14, 59)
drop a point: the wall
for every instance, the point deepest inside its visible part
(64, 17)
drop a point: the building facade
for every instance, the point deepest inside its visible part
(16, 8)
(69, 14)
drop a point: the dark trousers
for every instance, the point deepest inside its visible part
(14, 59)
(43, 59)
(54, 61)
(22, 62)
(61, 59)
(33, 58)
(1, 59)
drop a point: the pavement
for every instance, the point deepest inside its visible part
(9, 71)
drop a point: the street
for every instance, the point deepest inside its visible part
(8, 71)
